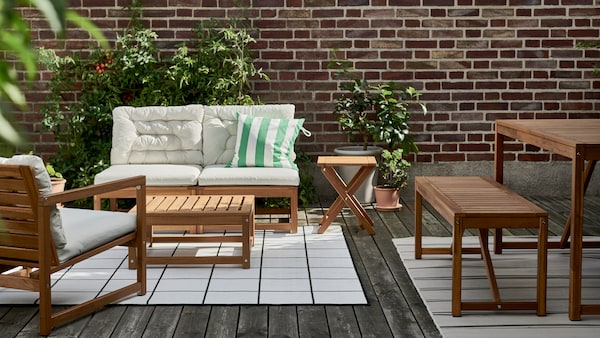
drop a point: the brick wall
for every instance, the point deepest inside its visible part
(473, 60)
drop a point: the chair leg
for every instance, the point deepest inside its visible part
(141, 265)
(45, 304)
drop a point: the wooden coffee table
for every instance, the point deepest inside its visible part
(206, 210)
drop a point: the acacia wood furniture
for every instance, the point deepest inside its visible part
(29, 256)
(578, 140)
(471, 202)
(345, 191)
(209, 211)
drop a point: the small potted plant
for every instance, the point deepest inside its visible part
(56, 178)
(393, 169)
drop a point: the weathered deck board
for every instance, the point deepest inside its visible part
(395, 309)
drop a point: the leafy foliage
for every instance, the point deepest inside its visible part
(378, 112)
(15, 40)
(213, 68)
(393, 169)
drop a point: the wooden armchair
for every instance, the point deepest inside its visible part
(38, 239)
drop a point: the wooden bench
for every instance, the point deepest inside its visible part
(471, 202)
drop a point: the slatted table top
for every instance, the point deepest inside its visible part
(204, 204)
(367, 161)
(568, 131)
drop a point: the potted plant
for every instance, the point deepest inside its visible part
(374, 113)
(56, 178)
(393, 170)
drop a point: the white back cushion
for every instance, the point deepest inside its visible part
(45, 187)
(157, 135)
(220, 127)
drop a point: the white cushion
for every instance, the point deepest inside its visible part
(221, 176)
(87, 229)
(45, 187)
(220, 127)
(265, 142)
(157, 135)
(156, 174)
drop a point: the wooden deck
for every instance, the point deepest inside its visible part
(394, 310)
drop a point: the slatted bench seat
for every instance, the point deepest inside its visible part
(471, 202)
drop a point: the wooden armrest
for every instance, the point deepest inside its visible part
(91, 190)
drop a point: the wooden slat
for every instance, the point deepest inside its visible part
(19, 240)
(18, 226)
(18, 254)
(12, 184)
(16, 212)
(14, 198)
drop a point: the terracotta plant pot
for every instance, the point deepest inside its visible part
(58, 185)
(387, 199)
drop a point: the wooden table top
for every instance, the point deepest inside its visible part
(327, 161)
(205, 204)
(570, 132)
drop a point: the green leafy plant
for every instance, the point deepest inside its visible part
(393, 169)
(306, 191)
(52, 172)
(212, 68)
(377, 112)
(15, 41)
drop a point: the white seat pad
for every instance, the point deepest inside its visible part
(219, 175)
(87, 229)
(156, 174)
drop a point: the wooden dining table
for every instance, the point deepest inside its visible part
(579, 140)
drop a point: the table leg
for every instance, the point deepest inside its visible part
(589, 170)
(499, 176)
(576, 237)
(346, 196)
(542, 273)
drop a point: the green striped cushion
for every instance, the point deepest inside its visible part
(265, 142)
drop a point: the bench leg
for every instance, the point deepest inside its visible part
(457, 233)
(487, 259)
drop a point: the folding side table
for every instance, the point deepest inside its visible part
(346, 191)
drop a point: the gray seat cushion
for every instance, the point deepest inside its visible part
(87, 229)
